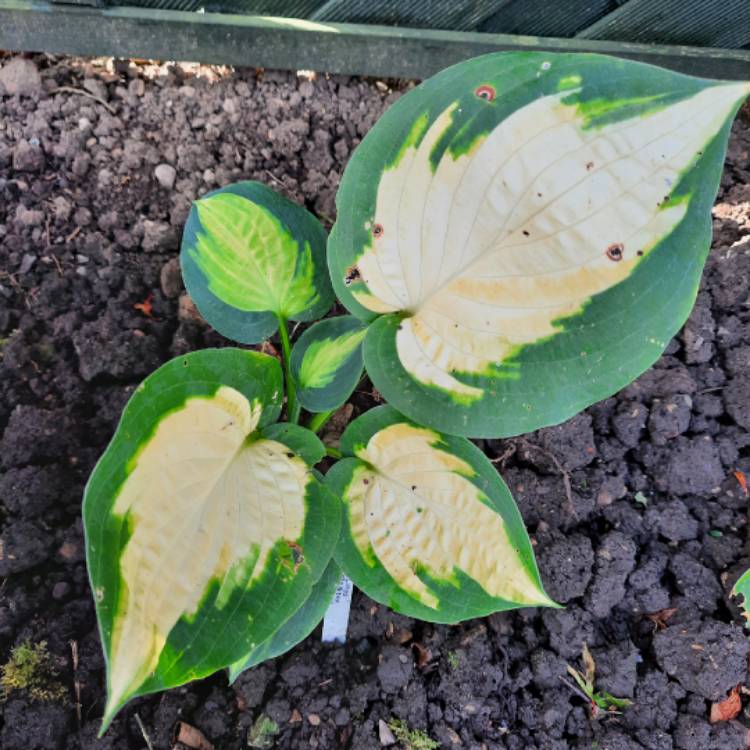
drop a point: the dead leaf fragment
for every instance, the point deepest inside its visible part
(189, 736)
(146, 307)
(424, 655)
(742, 481)
(267, 347)
(296, 717)
(727, 709)
(314, 719)
(661, 617)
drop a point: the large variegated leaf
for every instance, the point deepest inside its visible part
(742, 589)
(527, 231)
(250, 257)
(206, 528)
(327, 362)
(297, 628)
(430, 529)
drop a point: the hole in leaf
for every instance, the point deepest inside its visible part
(377, 230)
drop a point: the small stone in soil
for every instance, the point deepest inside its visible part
(170, 278)
(165, 175)
(158, 236)
(20, 77)
(28, 157)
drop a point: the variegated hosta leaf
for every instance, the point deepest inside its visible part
(530, 229)
(327, 362)
(206, 529)
(742, 588)
(250, 257)
(430, 529)
(297, 628)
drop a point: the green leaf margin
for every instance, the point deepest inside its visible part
(297, 628)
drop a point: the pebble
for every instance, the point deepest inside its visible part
(20, 77)
(97, 88)
(385, 734)
(60, 590)
(171, 278)
(137, 87)
(28, 157)
(187, 311)
(28, 217)
(165, 175)
(158, 235)
(82, 217)
(27, 263)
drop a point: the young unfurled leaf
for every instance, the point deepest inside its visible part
(206, 529)
(742, 588)
(527, 232)
(430, 529)
(250, 257)
(327, 362)
(297, 628)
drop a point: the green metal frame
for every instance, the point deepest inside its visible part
(288, 43)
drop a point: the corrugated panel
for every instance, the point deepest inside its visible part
(543, 18)
(285, 8)
(456, 15)
(700, 23)
(162, 4)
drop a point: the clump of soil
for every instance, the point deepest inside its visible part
(638, 519)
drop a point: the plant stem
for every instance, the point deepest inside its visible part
(317, 421)
(292, 407)
(333, 452)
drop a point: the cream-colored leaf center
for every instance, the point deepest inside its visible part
(204, 505)
(415, 507)
(488, 250)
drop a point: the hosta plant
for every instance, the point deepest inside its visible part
(517, 238)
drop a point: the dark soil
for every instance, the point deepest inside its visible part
(654, 518)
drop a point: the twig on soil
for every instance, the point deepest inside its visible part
(507, 453)
(513, 447)
(73, 235)
(575, 689)
(83, 92)
(274, 178)
(76, 681)
(56, 261)
(146, 738)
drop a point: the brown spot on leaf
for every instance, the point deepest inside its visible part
(486, 92)
(352, 275)
(377, 230)
(589, 166)
(297, 554)
(616, 251)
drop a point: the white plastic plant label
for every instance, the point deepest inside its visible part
(336, 619)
